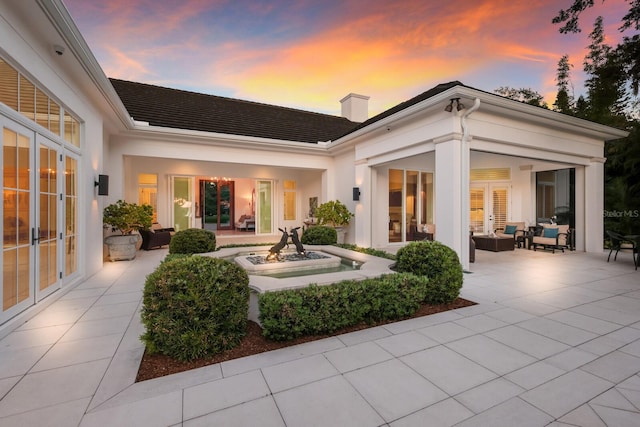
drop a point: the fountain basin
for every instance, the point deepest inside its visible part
(291, 261)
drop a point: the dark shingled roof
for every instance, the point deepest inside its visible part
(173, 108)
(181, 109)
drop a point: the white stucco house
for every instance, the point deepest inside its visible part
(452, 159)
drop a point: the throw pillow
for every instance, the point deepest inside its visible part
(550, 232)
(510, 229)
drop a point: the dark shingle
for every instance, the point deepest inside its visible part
(173, 108)
(181, 109)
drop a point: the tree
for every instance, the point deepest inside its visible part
(606, 82)
(526, 95)
(564, 99)
(628, 51)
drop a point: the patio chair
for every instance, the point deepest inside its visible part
(553, 236)
(156, 237)
(620, 243)
(246, 223)
(515, 230)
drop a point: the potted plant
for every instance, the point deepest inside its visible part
(335, 214)
(126, 218)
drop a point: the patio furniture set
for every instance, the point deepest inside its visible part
(515, 234)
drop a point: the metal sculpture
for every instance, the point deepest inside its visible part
(296, 241)
(274, 252)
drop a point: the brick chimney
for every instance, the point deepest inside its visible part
(355, 107)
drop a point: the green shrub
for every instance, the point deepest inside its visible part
(192, 241)
(194, 307)
(317, 310)
(369, 251)
(437, 262)
(319, 235)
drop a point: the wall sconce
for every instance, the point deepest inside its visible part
(459, 105)
(356, 194)
(103, 185)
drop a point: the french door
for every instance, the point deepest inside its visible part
(31, 188)
(217, 204)
(488, 207)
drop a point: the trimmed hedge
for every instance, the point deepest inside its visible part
(437, 262)
(319, 235)
(317, 310)
(194, 307)
(192, 241)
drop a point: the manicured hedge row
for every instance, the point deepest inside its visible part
(319, 310)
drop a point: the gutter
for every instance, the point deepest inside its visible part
(464, 182)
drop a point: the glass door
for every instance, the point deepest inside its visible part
(47, 207)
(17, 220)
(182, 189)
(216, 204)
(264, 207)
(488, 207)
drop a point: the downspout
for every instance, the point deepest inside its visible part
(464, 181)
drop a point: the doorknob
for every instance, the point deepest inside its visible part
(35, 237)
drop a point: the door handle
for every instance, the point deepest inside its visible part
(35, 237)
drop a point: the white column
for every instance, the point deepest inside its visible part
(363, 207)
(594, 205)
(449, 217)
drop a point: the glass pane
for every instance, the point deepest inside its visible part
(53, 171)
(10, 158)
(42, 109)
(71, 259)
(71, 216)
(8, 85)
(499, 196)
(54, 117)
(289, 205)
(182, 203)
(10, 218)
(23, 218)
(264, 206)
(9, 279)
(23, 273)
(71, 130)
(426, 197)
(27, 98)
(70, 176)
(476, 208)
(411, 195)
(396, 178)
(24, 155)
(226, 200)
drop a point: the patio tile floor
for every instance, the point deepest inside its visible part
(564, 352)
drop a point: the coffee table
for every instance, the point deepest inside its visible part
(494, 244)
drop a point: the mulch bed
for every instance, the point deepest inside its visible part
(157, 365)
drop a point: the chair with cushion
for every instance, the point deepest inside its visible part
(552, 236)
(156, 237)
(516, 230)
(620, 243)
(246, 222)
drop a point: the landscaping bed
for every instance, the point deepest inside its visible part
(158, 365)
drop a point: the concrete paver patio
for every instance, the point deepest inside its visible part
(554, 340)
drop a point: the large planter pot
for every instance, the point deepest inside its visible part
(342, 232)
(122, 247)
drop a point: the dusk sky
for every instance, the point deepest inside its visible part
(309, 54)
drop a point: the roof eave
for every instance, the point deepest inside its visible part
(62, 20)
(511, 107)
(215, 139)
